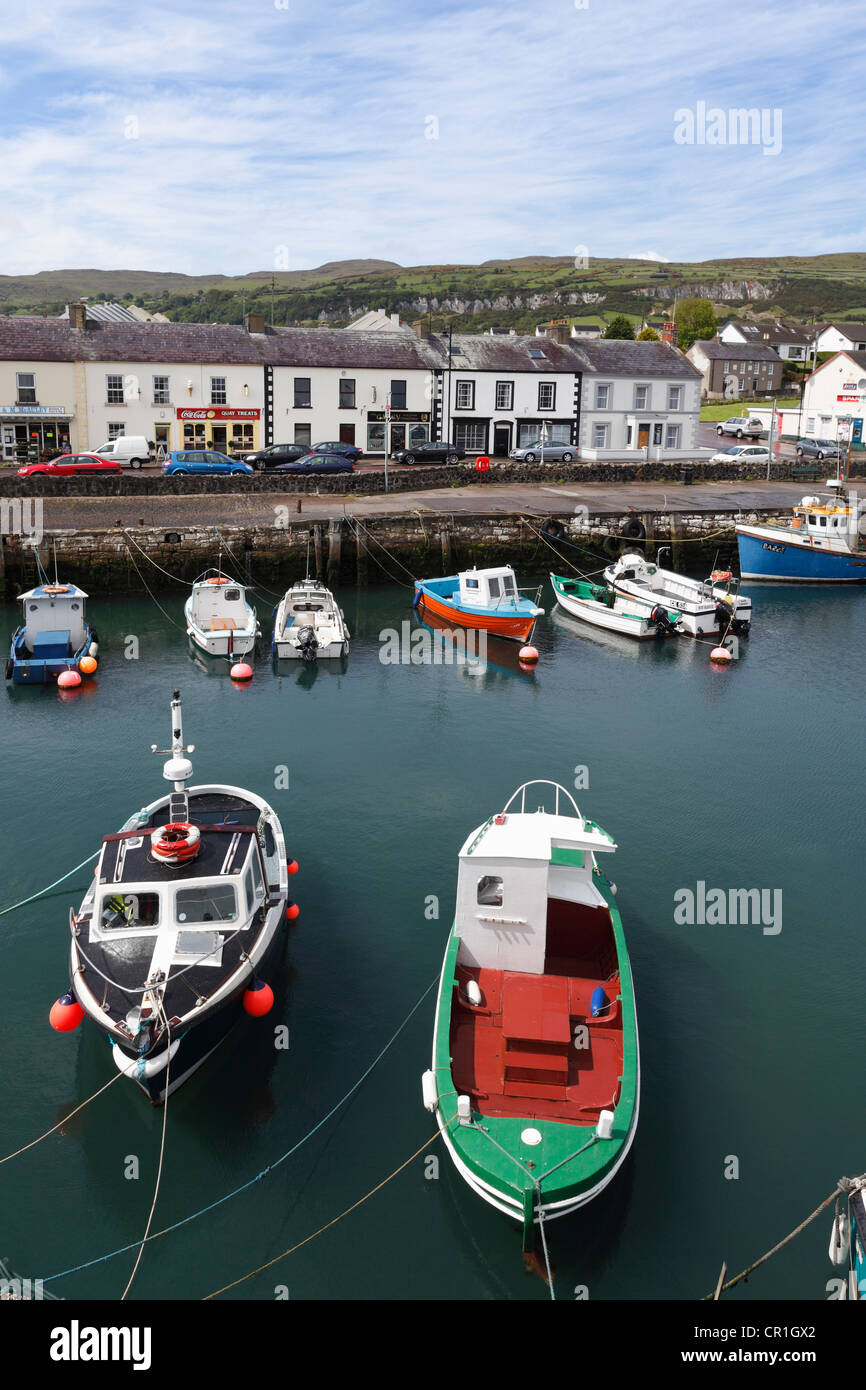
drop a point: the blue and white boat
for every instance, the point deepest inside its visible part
(485, 600)
(54, 635)
(821, 544)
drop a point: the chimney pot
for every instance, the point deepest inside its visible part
(78, 315)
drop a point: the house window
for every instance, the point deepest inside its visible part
(114, 390)
(303, 434)
(547, 395)
(218, 390)
(347, 393)
(629, 435)
(657, 433)
(599, 436)
(465, 395)
(398, 395)
(376, 439)
(641, 397)
(490, 891)
(672, 437)
(470, 434)
(602, 397)
(26, 388)
(115, 429)
(160, 391)
(675, 395)
(302, 393)
(504, 395)
(810, 423)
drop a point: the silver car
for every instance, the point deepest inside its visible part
(742, 426)
(553, 452)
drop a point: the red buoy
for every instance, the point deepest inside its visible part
(720, 654)
(68, 680)
(528, 655)
(241, 671)
(292, 866)
(66, 1013)
(292, 911)
(258, 999)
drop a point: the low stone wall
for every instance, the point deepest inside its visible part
(401, 481)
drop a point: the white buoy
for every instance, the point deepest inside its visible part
(464, 1110)
(473, 993)
(604, 1128)
(428, 1091)
(840, 1239)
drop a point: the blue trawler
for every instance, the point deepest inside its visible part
(53, 637)
(821, 544)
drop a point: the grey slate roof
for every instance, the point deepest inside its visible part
(746, 352)
(494, 353)
(621, 357)
(855, 331)
(775, 332)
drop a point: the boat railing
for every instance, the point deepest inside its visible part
(542, 782)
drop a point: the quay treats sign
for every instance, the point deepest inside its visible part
(217, 412)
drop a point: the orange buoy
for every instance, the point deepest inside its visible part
(258, 999)
(529, 655)
(292, 866)
(292, 911)
(241, 671)
(720, 654)
(66, 1014)
(68, 680)
(87, 665)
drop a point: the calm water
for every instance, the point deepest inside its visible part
(752, 1045)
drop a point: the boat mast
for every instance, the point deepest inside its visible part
(178, 768)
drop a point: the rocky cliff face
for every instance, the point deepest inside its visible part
(723, 292)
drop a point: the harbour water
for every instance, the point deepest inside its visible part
(752, 1037)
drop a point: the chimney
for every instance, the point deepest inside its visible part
(254, 323)
(422, 328)
(557, 331)
(669, 333)
(395, 319)
(78, 315)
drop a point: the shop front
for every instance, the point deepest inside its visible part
(33, 430)
(224, 428)
(406, 429)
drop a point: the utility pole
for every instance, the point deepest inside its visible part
(387, 435)
(273, 288)
(448, 401)
(770, 440)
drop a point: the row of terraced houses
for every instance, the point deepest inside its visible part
(78, 381)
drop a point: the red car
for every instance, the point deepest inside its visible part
(68, 464)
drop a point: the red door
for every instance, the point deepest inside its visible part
(347, 434)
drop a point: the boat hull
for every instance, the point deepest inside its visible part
(778, 554)
(518, 627)
(492, 1159)
(599, 615)
(29, 670)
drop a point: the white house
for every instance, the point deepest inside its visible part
(841, 337)
(834, 399)
(637, 399)
(791, 342)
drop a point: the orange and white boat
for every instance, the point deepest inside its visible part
(485, 600)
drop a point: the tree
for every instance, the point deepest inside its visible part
(648, 335)
(619, 327)
(695, 318)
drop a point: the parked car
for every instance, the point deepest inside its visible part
(318, 463)
(743, 426)
(130, 449)
(276, 453)
(352, 451)
(203, 461)
(743, 453)
(438, 451)
(553, 452)
(817, 449)
(69, 464)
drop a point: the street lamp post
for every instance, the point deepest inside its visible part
(387, 435)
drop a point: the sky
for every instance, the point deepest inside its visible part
(217, 136)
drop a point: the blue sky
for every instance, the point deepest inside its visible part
(216, 136)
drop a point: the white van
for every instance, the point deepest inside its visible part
(129, 450)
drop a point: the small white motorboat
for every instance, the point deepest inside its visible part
(308, 623)
(707, 606)
(599, 605)
(219, 618)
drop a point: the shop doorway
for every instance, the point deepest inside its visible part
(398, 438)
(161, 441)
(218, 435)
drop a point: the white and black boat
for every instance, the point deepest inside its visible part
(309, 623)
(186, 906)
(705, 607)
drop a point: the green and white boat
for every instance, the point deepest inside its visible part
(535, 1080)
(607, 608)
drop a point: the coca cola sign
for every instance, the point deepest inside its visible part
(217, 412)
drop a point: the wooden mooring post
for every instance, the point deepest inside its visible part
(360, 556)
(317, 549)
(335, 546)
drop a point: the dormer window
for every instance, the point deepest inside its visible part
(490, 891)
(536, 353)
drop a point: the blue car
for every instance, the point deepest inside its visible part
(317, 463)
(203, 461)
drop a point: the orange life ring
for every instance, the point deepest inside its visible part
(721, 576)
(176, 843)
(56, 589)
(216, 581)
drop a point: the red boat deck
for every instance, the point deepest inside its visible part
(515, 1053)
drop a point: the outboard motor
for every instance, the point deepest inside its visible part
(307, 644)
(726, 619)
(663, 625)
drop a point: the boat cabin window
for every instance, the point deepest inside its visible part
(490, 891)
(822, 521)
(495, 587)
(254, 883)
(472, 583)
(122, 910)
(209, 902)
(508, 581)
(813, 520)
(232, 595)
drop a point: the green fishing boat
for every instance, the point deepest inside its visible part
(535, 1079)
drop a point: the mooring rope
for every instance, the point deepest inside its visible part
(744, 1274)
(150, 595)
(62, 1122)
(161, 1154)
(101, 1259)
(42, 891)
